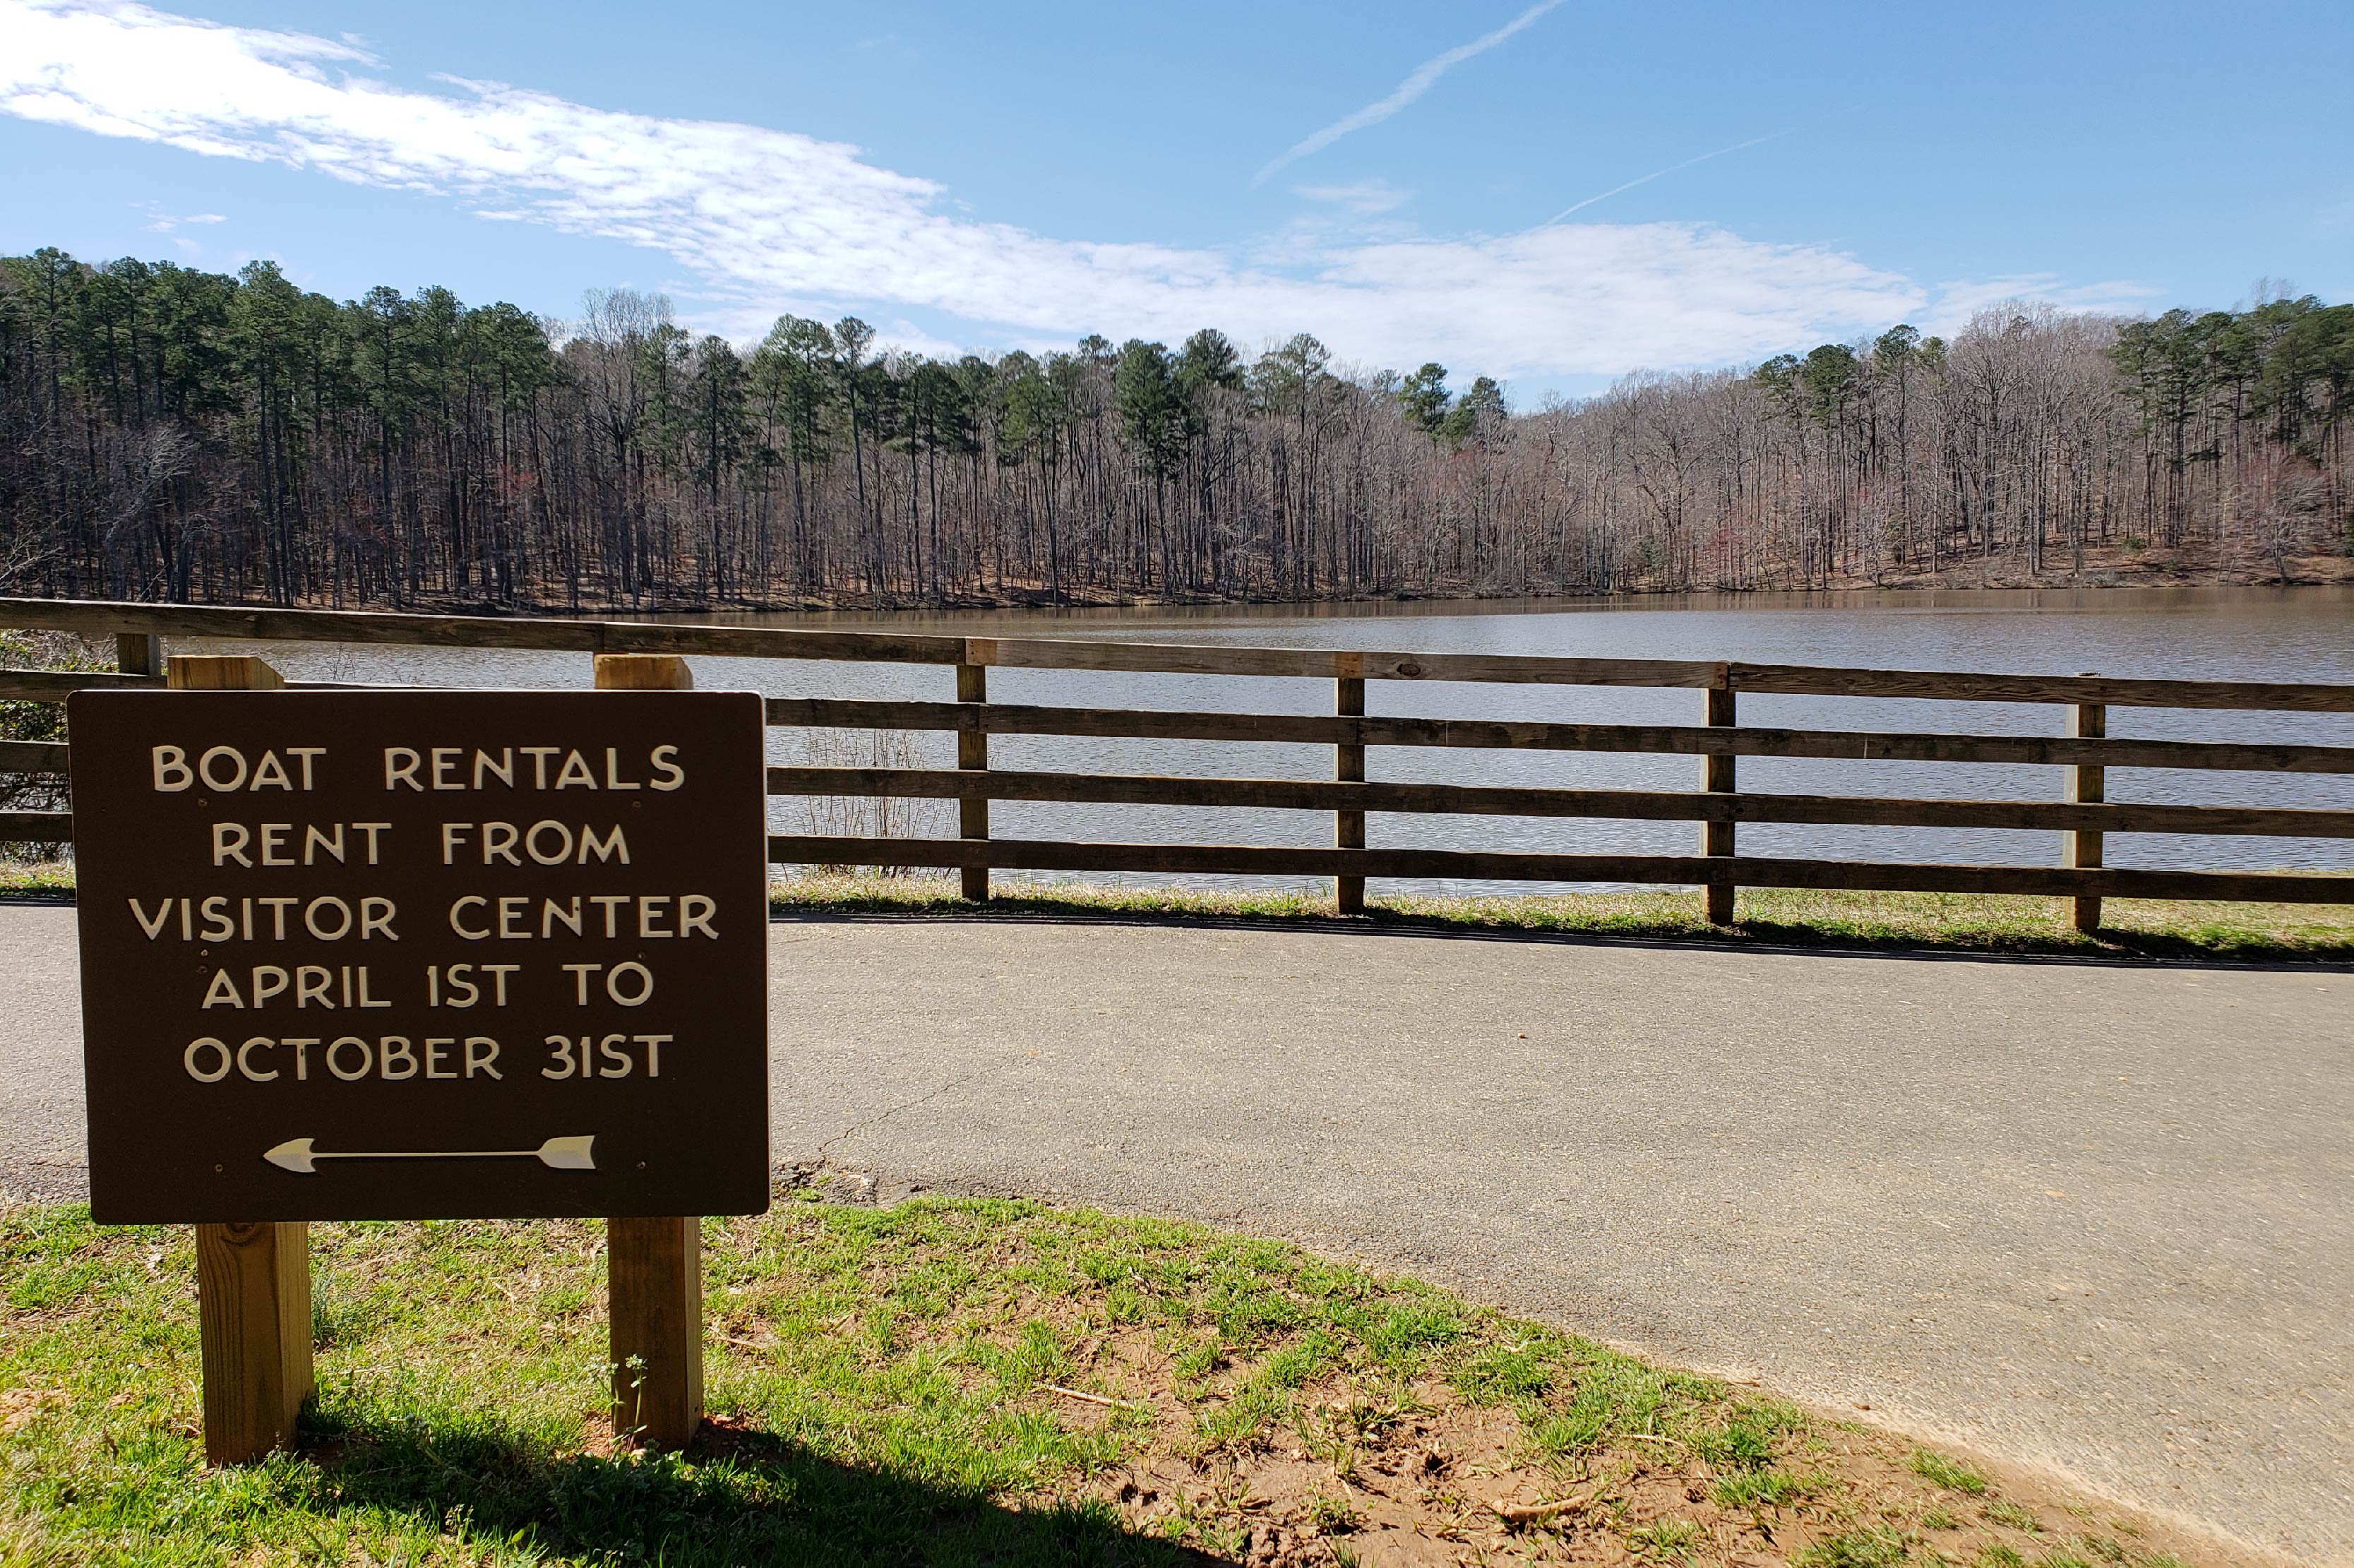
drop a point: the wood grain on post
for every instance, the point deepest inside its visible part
(253, 1311)
(139, 653)
(1349, 767)
(253, 1281)
(643, 672)
(653, 1267)
(654, 1280)
(972, 754)
(222, 672)
(1717, 776)
(2088, 783)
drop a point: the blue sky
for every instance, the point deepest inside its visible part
(997, 177)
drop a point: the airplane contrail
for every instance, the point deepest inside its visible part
(1672, 168)
(1418, 82)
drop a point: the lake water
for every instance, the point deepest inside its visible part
(2297, 634)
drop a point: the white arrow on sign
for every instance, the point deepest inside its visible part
(557, 1153)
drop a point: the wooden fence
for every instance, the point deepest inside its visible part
(1718, 806)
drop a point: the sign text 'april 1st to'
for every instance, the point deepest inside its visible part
(418, 955)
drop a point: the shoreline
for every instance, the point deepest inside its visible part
(2122, 578)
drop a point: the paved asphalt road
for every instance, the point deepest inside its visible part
(2094, 1218)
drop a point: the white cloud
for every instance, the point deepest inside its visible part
(1957, 302)
(772, 220)
(1417, 81)
(161, 222)
(1366, 198)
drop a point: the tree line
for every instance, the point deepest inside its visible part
(176, 434)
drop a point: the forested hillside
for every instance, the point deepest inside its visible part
(170, 433)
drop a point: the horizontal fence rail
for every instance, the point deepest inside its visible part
(1717, 806)
(1027, 855)
(1492, 800)
(1854, 746)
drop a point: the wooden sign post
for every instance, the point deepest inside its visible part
(653, 1265)
(253, 1280)
(423, 955)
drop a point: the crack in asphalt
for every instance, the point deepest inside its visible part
(879, 1118)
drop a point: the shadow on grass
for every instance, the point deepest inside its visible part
(739, 1496)
(2114, 946)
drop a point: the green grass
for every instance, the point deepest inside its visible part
(1875, 1546)
(2012, 1516)
(907, 1385)
(1767, 1488)
(1950, 1474)
(1674, 1540)
(1964, 922)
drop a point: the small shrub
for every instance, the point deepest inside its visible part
(2014, 1516)
(1332, 1515)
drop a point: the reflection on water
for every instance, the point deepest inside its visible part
(2298, 634)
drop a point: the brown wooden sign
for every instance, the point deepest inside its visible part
(421, 954)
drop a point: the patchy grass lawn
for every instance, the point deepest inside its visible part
(1952, 921)
(980, 1381)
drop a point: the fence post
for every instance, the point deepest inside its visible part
(1716, 777)
(1349, 767)
(2088, 783)
(653, 1266)
(253, 1280)
(973, 755)
(138, 654)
